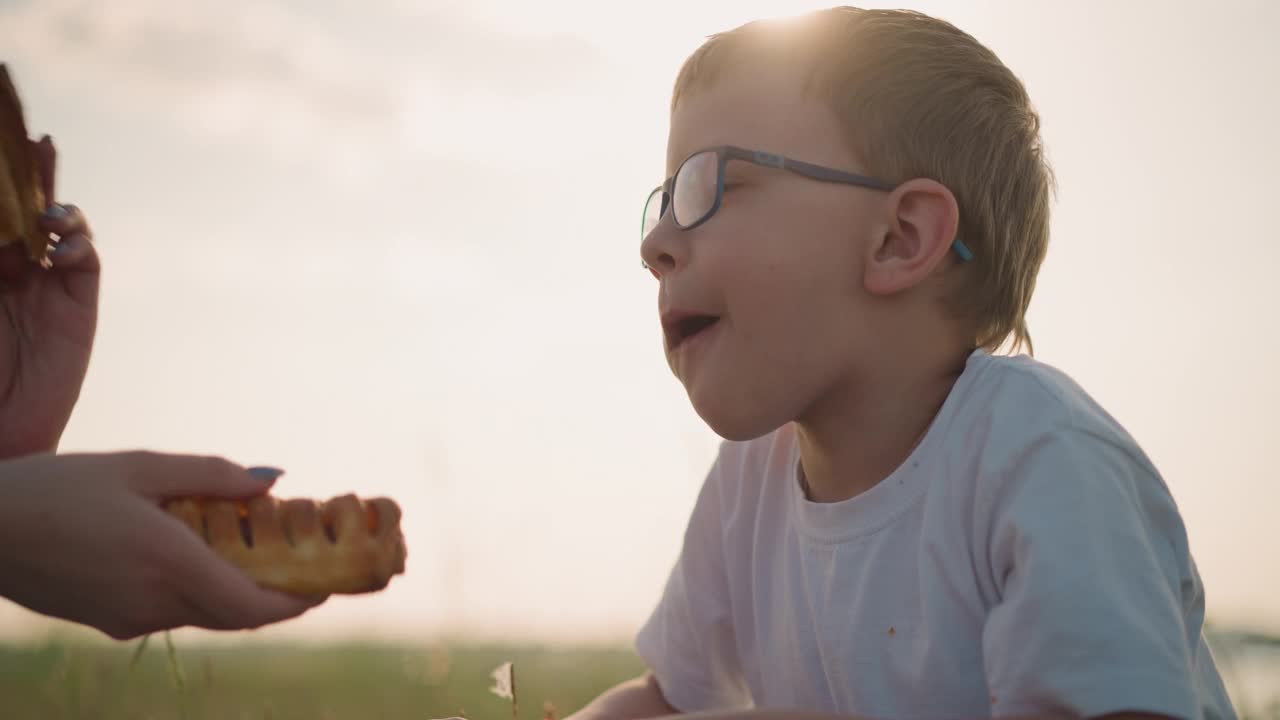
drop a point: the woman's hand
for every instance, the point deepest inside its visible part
(47, 323)
(83, 537)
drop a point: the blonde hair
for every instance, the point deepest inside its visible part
(922, 98)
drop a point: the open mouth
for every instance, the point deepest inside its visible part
(687, 327)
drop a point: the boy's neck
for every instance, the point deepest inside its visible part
(863, 431)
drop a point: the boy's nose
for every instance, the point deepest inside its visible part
(664, 249)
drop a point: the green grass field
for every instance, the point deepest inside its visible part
(64, 678)
(61, 680)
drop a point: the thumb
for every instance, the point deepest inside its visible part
(159, 475)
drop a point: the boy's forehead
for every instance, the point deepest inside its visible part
(759, 108)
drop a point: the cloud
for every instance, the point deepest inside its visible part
(295, 76)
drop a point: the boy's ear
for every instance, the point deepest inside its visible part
(922, 219)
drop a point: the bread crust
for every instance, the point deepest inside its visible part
(342, 546)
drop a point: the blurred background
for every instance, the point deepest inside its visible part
(392, 247)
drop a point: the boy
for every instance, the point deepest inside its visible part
(899, 524)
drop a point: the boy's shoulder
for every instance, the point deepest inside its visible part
(1017, 421)
(1019, 397)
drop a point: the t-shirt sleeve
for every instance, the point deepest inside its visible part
(688, 642)
(1090, 559)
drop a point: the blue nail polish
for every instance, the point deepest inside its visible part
(265, 474)
(56, 212)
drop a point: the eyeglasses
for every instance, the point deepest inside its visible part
(695, 192)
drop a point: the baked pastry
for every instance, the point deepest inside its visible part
(345, 545)
(22, 197)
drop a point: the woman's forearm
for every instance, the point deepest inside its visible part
(632, 700)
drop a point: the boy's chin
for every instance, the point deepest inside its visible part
(733, 421)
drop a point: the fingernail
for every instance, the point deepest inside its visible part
(265, 474)
(56, 212)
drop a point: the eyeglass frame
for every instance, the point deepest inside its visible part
(725, 153)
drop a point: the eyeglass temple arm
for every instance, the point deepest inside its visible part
(825, 174)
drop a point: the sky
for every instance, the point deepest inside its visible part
(392, 248)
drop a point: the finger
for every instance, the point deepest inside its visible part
(159, 475)
(65, 220)
(76, 261)
(252, 609)
(223, 596)
(229, 600)
(75, 252)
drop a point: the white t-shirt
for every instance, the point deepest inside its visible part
(1025, 558)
